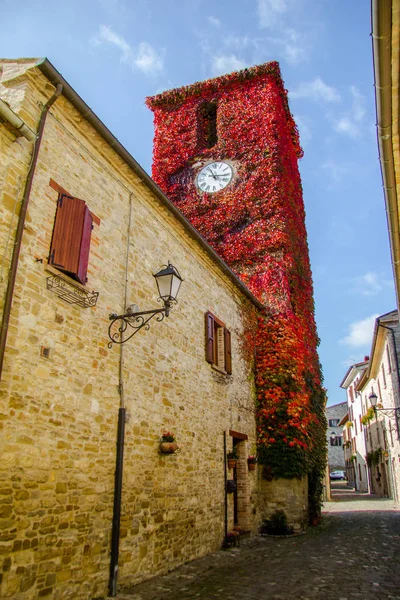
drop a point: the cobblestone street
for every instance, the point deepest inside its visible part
(353, 553)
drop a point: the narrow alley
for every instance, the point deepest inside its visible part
(353, 553)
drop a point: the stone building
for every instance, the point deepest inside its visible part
(82, 230)
(62, 385)
(334, 435)
(380, 387)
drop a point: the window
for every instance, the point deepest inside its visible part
(218, 344)
(333, 422)
(351, 393)
(336, 441)
(383, 376)
(70, 244)
(388, 359)
(208, 124)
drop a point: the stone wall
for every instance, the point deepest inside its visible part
(290, 495)
(58, 412)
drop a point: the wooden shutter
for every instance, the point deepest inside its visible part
(70, 245)
(228, 352)
(210, 338)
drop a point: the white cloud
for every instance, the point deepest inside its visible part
(360, 332)
(359, 110)
(293, 54)
(106, 34)
(371, 284)
(145, 57)
(351, 124)
(226, 64)
(214, 22)
(270, 12)
(316, 90)
(347, 126)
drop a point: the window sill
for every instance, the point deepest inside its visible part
(63, 276)
(219, 369)
(69, 290)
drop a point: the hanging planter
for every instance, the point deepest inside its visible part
(232, 457)
(168, 444)
(251, 462)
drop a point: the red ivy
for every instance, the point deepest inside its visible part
(257, 225)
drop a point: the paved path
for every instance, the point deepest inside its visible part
(354, 553)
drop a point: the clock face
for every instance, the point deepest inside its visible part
(214, 177)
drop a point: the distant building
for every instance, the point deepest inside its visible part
(354, 434)
(334, 435)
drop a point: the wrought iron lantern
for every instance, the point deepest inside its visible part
(392, 413)
(168, 282)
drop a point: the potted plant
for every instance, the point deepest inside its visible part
(251, 462)
(168, 444)
(233, 457)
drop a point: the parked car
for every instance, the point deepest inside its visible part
(337, 475)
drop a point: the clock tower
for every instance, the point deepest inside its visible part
(226, 153)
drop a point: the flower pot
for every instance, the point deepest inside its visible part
(168, 447)
(232, 463)
(252, 466)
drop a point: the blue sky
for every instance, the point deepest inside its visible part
(117, 52)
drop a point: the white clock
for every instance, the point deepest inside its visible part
(214, 177)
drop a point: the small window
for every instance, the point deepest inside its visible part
(336, 441)
(383, 376)
(388, 359)
(218, 344)
(333, 422)
(208, 124)
(70, 244)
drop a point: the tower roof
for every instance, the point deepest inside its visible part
(210, 86)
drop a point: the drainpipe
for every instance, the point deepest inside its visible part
(21, 224)
(225, 491)
(384, 56)
(119, 461)
(18, 124)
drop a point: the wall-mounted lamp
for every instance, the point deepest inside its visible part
(391, 413)
(168, 283)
